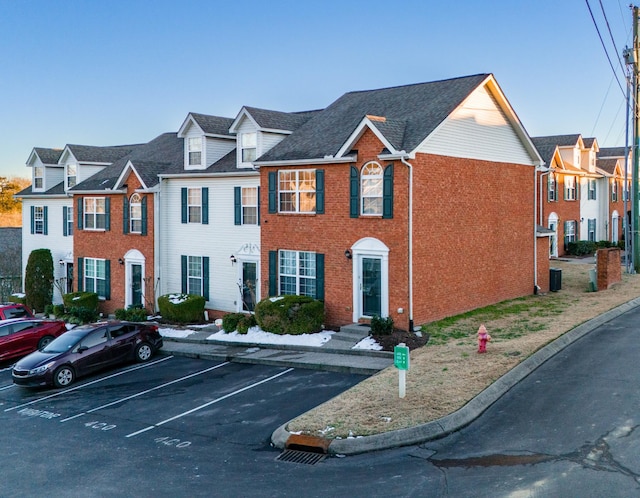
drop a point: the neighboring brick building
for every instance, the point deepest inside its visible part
(114, 241)
(414, 202)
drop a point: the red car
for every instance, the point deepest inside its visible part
(15, 310)
(22, 336)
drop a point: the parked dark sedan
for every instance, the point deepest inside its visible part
(86, 349)
(21, 336)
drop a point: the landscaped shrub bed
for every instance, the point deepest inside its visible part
(293, 315)
(182, 308)
(241, 322)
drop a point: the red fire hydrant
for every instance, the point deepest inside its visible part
(483, 338)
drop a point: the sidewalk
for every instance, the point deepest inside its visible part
(336, 355)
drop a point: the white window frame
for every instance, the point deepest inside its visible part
(135, 213)
(591, 193)
(292, 193)
(552, 192)
(249, 205)
(38, 220)
(297, 268)
(194, 205)
(614, 190)
(570, 188)
(71, 178)
(591, 229)
(195, 282)
(95, 272)
(69, 220)
(194, 152)
(570, 236)
(371, 189)
(94, 210)
(38, 177)
(248, 147)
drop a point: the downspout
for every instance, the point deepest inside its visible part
(536, 169)
(410, 240)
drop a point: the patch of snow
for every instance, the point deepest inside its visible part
(368, 343)
(20, 295)
(177, 298)
(258, 336)
(180, 333)
(274, 299)
(327, 430)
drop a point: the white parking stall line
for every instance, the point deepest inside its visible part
(147, 391)
(7, 387)
(188, 412)
(144, 365)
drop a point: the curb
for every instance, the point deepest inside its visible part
(473, 409)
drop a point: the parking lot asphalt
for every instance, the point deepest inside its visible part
(173, 425)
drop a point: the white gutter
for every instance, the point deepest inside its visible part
(536, 169)
(402, 156)
(195, 174)
(302, 162)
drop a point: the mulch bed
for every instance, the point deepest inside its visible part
(389, 341)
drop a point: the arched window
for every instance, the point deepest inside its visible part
(135, 213)
(371, 189)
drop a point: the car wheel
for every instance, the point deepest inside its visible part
(44, 341)
(143, 352)
(63, 377)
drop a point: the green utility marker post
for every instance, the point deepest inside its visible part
(401, 361)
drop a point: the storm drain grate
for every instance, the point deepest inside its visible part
(297, 456)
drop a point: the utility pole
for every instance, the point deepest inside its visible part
(636, 146)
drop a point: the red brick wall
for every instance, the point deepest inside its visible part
(543, 263)
(113, 245)
(609, 269)
(473, 235)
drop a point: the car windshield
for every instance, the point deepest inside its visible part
(65, 342)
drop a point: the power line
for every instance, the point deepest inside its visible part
(604, 47)
(613, 42)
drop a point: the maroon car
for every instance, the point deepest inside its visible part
(87, 349)
(21, 336)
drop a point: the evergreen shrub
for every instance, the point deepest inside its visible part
(290, 315)
(182, 308)
(38, 279)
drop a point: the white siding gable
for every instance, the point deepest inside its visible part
(479, 129)
(247, 126)
(216, 149)
(61, 247)
(217, 240)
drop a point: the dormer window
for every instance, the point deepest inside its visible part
(71, 175)
(248, 144)
(195, 151)
(38, 177)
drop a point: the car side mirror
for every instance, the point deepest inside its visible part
(82, 349)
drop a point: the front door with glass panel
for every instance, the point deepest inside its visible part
(136, 285)
(371, 287)
(248, 286)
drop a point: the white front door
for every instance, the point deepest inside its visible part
(134, 279)
(248, 285)
(370, 279)
(553, 240)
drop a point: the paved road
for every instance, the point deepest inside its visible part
(569, 429)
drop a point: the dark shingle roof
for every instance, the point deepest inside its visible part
(214, 125)
(96, 154)
(588, 142)
(48, 156)
(421, 107)
(612, 152)
(560, 140)
(608, 165)
(55, 190)
(546, 148)
(163, 154)
(277, 120)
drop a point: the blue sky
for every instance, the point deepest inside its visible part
(111, 72)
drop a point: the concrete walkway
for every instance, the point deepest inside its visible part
(335, 355)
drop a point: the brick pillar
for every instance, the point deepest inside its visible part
(608, 267)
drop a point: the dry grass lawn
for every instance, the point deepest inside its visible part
(448, 372)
